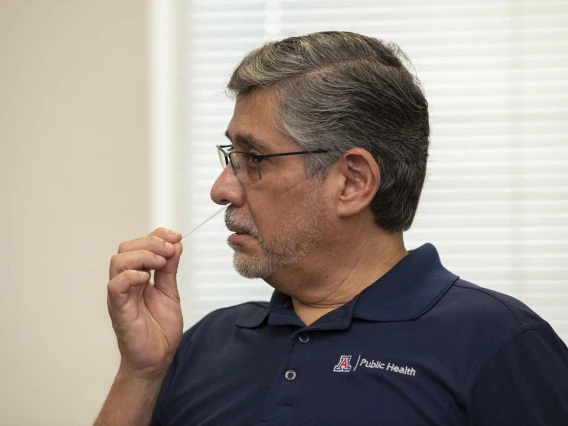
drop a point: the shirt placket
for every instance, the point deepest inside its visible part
(290, 382)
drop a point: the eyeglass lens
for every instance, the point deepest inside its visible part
(245, 166)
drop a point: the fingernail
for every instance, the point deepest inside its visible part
(169, 246)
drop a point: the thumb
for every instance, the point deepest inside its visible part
(165, 278)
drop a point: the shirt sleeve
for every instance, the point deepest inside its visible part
(524, 383)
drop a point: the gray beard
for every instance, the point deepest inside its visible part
(301, 233)
(268, 261)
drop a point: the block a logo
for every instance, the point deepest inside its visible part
(344, 364)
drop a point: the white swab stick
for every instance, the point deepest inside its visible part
(205, 221)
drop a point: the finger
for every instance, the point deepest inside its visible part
(140, 260)
(152, 243)
(125, 285)
(165, 278)
(167, 235)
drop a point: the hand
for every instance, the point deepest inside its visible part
(146, 317)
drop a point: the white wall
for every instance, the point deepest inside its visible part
(73, 184)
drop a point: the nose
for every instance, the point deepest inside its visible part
(228, 189)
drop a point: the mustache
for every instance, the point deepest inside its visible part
(241, 225)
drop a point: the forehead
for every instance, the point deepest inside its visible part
(253, 124)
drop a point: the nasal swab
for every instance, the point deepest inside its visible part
(205, 221)
(194, 229)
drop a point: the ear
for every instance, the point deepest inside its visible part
(360, 179)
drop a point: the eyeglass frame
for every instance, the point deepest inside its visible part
(257, 158)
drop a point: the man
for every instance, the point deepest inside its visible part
(327, 157)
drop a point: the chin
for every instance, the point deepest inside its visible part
(255, 266)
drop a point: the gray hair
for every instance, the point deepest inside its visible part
(339, 90)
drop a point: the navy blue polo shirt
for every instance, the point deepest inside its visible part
(418, 347)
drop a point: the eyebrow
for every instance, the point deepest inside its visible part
(249, 140)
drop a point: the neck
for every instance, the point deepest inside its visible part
(326, 279)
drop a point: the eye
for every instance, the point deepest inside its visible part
(253, 160)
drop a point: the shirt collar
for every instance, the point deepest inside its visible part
(277, 301)
(407, 291)
(410, 289)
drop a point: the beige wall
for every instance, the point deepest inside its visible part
(74, 183)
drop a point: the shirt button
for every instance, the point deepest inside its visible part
(290, 375)
(304, 338)
(287, 304)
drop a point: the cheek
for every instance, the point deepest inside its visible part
(267, 219)
(279, 203)
(274, 214)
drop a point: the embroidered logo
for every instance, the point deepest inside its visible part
(344, 364)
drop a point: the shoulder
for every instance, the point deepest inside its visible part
(479, 323)
(489, 306)
(497, 323)
(518, 366)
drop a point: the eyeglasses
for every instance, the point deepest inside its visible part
(246, 165)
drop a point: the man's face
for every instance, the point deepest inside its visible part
(280, 219)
